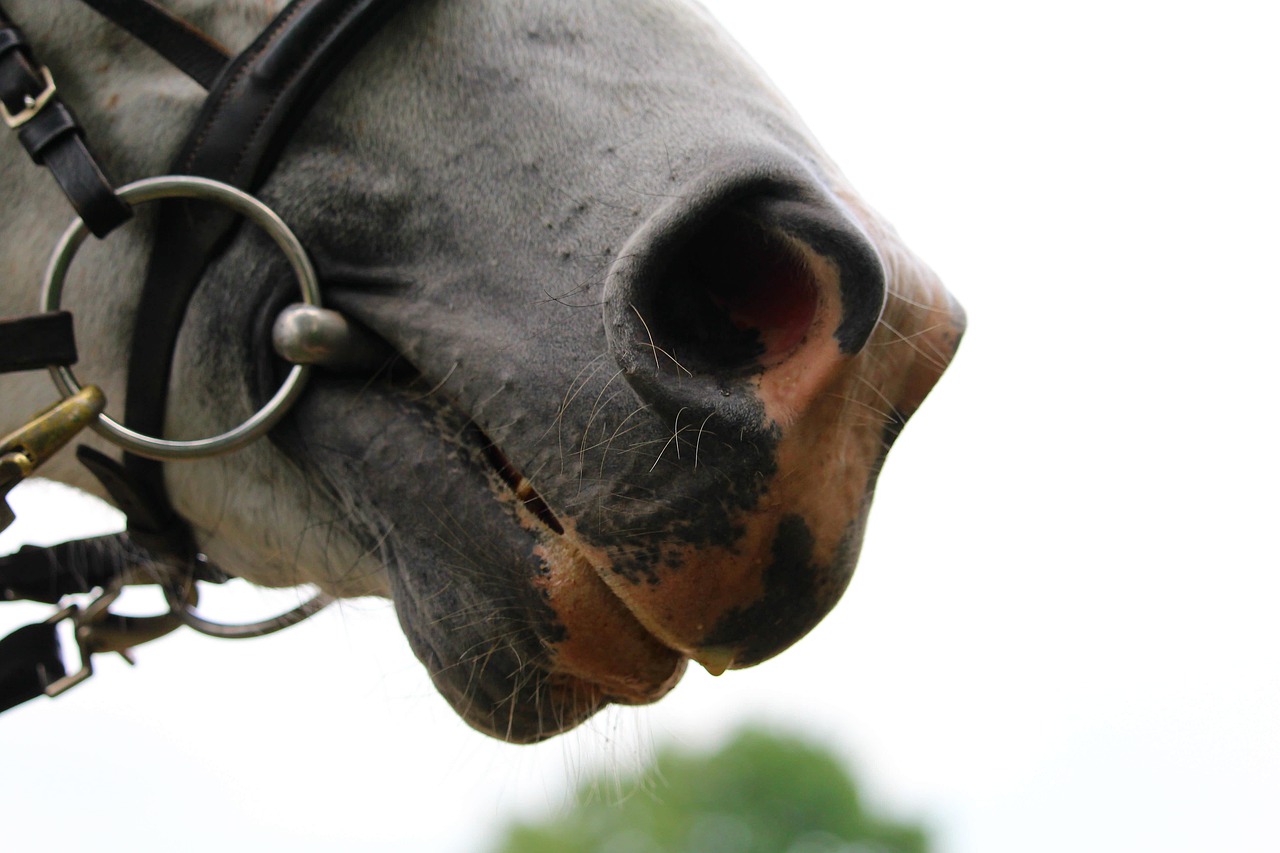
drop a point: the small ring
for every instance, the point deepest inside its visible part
(261, 422)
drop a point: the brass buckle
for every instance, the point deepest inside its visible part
(25, 450)
(33, 106)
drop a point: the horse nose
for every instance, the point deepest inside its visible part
(743, 308)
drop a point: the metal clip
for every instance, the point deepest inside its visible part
(99, 631)
(32, 105)
(22, 452)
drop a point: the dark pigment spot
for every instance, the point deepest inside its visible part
(790, 606)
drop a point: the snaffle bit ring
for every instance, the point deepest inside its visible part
(261, 422)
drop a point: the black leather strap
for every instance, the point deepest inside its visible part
(30, 660)
(237, 138)
(191, 51)
(36, 341)
(151, 520)
(51, 134)
(47, 573)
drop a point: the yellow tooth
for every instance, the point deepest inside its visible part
(715, 659)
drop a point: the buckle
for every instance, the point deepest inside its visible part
(71, 679)
(33, 105)
(99, 631)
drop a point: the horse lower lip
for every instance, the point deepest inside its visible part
(605, 644)
(716, 660)
(627, 654)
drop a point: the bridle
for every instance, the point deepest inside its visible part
(255, 101)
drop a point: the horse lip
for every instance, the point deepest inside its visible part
(715, 659)
(605, 644)
(535, 511)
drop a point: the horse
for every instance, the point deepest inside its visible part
(645, 347)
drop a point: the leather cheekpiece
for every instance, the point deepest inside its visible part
(52, 136)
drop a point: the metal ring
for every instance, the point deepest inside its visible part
(258, 424)
(186, 613)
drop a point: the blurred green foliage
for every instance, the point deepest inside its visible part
(760, 793)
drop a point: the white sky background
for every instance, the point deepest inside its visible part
(1063, 632)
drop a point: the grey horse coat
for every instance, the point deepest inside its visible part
(652, 349)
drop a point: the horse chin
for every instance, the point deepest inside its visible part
(591, 653)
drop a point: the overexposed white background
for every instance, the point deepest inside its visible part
(1063, 632)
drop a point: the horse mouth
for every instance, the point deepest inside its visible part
(599, 648)
(498, 595)
(521, 488)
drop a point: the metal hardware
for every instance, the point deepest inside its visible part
(308, 334)
(32, 105)
(14, 468)
(70, 680)
(87, 642)
(261, 422)
(186, 614)
(25, 450)
(99, 631)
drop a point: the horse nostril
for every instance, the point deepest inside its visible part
(742, 296)
(735, 296)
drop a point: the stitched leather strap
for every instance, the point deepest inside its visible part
(52, 136)
(36, 341)
(47, 573)
(245, 122)
(191, 51)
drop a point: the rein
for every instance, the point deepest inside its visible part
(255, 101)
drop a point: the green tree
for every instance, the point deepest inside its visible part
(761, 793)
